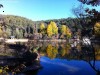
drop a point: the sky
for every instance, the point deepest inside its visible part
(39, 9)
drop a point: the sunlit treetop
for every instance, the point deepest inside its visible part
(97, 29)
(54, 27)
(42, 26)
(91, 2)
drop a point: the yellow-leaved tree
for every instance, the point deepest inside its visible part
(52, 29)
(49, 30)
(42, 28)
(63, 29)
(97, 29)
(66, 31)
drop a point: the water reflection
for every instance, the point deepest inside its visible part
(61, 57)
(89, 54)
(20, 60)
(60, 50)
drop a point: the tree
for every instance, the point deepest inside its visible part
(92, 14)
(18, 33)
(83, 21)
(13, 22)
(63, 29)
(80, 16)
(66, 31)
(42, 28)
(49, 30)
(97, 29)
(91, 2)
(4, 34)
(52, 29)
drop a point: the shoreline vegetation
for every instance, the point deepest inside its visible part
(49, 30)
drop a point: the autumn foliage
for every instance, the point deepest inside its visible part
(42, 28)
(65, 31)
(97, 29)
(52, 29)
(51, 51)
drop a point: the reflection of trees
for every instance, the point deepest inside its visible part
(78, 47)
(94, 67)
(92, 57)
(65, 49)
(86, 53)
(57, 50)
(97, 52)
(51, 51)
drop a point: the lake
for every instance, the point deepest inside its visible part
(54, 58)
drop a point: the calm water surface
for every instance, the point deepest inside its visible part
(66, 67)
(62, 59)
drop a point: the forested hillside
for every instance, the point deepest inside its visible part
(16, 26)
(21, 27)
(11, 20)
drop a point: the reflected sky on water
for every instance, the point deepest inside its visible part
(62, 59)
(64, 66)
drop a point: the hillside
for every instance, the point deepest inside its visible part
(21, 27)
